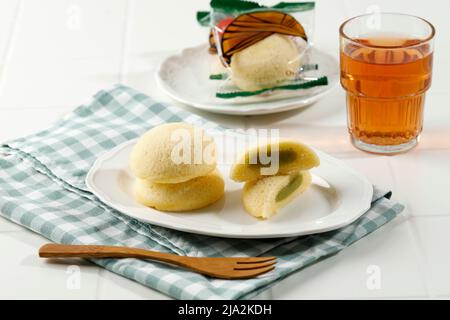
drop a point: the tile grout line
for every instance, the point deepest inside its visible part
(345, 9)
(97, 292)
(98, 289)
(10, 45)
(13, 231)
(430, 216)
(393, 176)
(420, 254)
(418, 250)
(60, 107)
(125, 36)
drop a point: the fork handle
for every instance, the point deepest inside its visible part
(54, 250)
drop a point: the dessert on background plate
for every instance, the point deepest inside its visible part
(188, 77)
(258, 59)
(271, 61)
(259, 49)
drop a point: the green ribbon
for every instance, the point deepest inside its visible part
(322, 81)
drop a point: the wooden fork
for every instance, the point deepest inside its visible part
(224, 268)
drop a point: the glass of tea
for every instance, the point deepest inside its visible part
(386, 62)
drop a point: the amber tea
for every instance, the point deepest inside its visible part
(385, 78)
(385, 90)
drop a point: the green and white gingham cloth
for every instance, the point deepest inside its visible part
(42, 188)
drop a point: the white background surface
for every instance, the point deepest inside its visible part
(50, 63)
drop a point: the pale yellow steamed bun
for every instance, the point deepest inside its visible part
(262, 198)
(172, 153)
(265, 64)
(189, 195)
(292, 156)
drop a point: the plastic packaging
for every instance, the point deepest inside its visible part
(260, 48)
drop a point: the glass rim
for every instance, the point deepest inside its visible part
(422, 41)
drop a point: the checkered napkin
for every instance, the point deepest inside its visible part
(42, 188)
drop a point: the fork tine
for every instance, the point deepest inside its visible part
(252, 266)
(245, 274)
(254, 259)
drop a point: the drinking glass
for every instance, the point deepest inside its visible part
(386, 64)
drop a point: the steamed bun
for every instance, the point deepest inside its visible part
(184, 196)
(265, 64)
(173, 153)
(292, 156)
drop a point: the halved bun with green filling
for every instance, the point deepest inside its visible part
(263, 197)
(258, 162)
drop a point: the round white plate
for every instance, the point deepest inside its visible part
(338, 196)
(185, 78)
